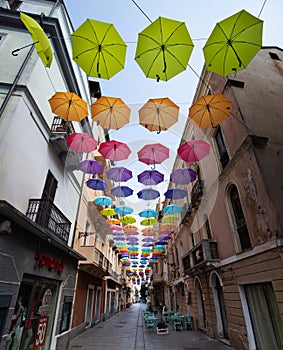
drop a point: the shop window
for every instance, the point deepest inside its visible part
(66, 314)
(221, 146)
(5, 301)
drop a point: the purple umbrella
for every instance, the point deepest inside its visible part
(147, 239)
(90, 166)
(122, 191)
(119, 174)
(175, 193)
(150, 177)
(96, 184)
(148, 194)
(183, 176)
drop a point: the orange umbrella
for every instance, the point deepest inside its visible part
(68, 106)
(113, 221)
(209, 111)
(130, 228)
(110, 112)
(158, 114)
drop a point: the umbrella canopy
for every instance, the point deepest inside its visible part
(170, 218)
(81, 142)
(193, 151)
(98, 49)
(154, 153)
(175, 193)
(149, 232)
(90, 166)
(233, 43)
(128, 219)
(113, 221)
(158, 114)
(130, 228)
(123, 210)
(183, 176)
(150, 177)
(121, 191)
(110, 112)
(117, 228)
(103, 201)
(148, 222)
(148, 213)
(163, 49)
(148, 194)
(172, 209)
(96, 184)
(114, 150)
(40, 39)
(209, 111)
(68, 106)
(108, 212)
(119, 174)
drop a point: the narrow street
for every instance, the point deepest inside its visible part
(126, 330)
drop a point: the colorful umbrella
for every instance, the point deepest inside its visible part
(193, 151)
(103, 201)
(170, 218)
(130, 228)
(150, 177)
(112, 221)
(148, 213)
(149, 232)
(163, 49)
(175, 193)
(108, 212)
(158, 114)
(148, 194)
(114, 150)
(121, 191)
(233, 43)
(209, 111)
(148, 222)
(96, 184)
(68, 106)
(153, 153)
(117, 228)
(98, 49)
(40, 40)
(183, 176)
(81, 142)
(110, 112)
(90, 166)
(119, 174)
(123, 210)
(128, 219)
(172, 209)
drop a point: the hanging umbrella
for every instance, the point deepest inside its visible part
(108, 212)
(96, 184)
(68, 106)
(121, 191)
(147, 239)
(150, 177)
(166, 228)
(148, 232)
(233, 43)
(158, 114)
(130, 228)
(128, 219)
(112, 221)
(119, 174)
(172, 209)
(110, 112)
(163, 49)
(209, 111)
(175, 193)
(117, 228)
(193, 151)
(103, 201)
(153, 153)
(123, 210)
(148, 194)
(148, 213)
(183, 176)
(148, 222)
(114, 150)
(40, 40)
(90, 166)
(81, 142)
(98, 49)
(170, 218)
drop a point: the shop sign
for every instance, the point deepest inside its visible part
(40, 333)
(52, 264)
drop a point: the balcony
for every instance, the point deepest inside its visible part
(196, 196)
(96, 264)
(203, 257)
(46, 214)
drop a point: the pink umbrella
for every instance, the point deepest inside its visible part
(81, 142)
(154, 153)
(193, 151)
(114, 150)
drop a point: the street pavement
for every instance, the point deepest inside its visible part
(126, 331)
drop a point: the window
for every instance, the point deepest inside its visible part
(66, 313)
(274, 56)
(14, 4)
(87, 233)
(221, 146)
(192, 239)
(239, 219)
(207, 227)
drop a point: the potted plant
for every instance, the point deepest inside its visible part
(162, 327)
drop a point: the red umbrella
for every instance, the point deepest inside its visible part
(153, 154)
(193, 151)
(114, 150)
(81, 143)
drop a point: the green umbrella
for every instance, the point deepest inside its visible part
(163, 49)
(233, 43)
(98, 49)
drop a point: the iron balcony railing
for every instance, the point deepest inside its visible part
(196, 196)
(45, 213)
(62, 127)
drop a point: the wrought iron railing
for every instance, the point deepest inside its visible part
(61, 126)
(45, 213)
(196, 194)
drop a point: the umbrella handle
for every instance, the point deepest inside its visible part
(23, 47)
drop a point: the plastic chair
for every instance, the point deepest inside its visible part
(188, 322)
(177, 323)
(150, 323)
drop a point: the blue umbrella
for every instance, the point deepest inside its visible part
(123, 210)
(175, 193)
(172, 209)
(122, 191)
(148, 213)
(103, 201)
(148, 194)
(96, 184)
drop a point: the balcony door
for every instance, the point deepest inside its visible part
(200, 304)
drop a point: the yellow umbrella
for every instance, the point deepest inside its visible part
(108, 212)
(40, 39)
(149, 222)
(128, 219)
(170, 218)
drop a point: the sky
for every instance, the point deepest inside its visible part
(135, 89)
